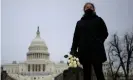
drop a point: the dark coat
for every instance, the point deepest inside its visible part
(89, 36)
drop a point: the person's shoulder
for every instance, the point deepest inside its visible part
(79, 22)
(100, 18)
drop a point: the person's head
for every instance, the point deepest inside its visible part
(89, 6)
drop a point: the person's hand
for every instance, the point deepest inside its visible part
(73, 53)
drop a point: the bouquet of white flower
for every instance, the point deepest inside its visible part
(72, 62)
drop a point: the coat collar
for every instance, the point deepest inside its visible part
(89, 17)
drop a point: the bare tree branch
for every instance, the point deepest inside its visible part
(121, 51)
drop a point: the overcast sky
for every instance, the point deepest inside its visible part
(57, 20)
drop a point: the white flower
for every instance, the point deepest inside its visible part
(75, 65)
(78, 63)
(68, 61)
(71, 60)
(74, 62)
(70, 65)
(77, 59)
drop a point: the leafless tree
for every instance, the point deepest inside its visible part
(113, 69)
(120, 54)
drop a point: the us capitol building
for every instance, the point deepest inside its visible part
(38, 65)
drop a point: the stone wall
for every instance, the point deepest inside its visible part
(73, 74)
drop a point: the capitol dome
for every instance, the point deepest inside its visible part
(38, 49)
(38, 41)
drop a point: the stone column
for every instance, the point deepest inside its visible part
(41, 67)
(29, 56)
(41, 55)
(33, 55)
(36, 55)
(30, 67)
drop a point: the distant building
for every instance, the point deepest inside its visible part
(37, 66)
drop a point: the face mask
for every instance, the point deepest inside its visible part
(89, 11)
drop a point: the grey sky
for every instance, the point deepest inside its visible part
(57, 20)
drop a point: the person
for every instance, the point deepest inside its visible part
(88, 42)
